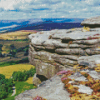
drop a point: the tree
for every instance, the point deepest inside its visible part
(25, 51)
(2, 76)
(5, 86)
(12, 47)
(18, 76)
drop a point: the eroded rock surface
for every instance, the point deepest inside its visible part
(92, 22)
(56, 50)
(52, 89)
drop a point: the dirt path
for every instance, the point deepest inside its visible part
(14, 91)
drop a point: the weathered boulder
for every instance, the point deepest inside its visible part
(89, 61)
(36, 80)
(92, 22)
(52, 89)
(45, 69)
(56, 50)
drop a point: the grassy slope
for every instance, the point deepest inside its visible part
(20, 87)
(6, 63)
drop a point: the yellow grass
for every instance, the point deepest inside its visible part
(8, 70)
(85, 29)
(15, 35)
(30, 80)
(97, 68)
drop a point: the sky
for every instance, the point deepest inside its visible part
(28, 9)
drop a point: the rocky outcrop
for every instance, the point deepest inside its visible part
(52, 89)
(56, 50)
(73, 52)
(92, 22)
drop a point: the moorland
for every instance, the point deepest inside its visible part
(15, 71)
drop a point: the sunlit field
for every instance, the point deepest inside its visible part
(8, 70)
(16, 35)
(30, 80)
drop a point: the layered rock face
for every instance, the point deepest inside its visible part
(92, 22)
(56, 50)
(74, 56)
(51, 89)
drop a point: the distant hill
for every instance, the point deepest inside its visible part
(42, 24)
(50, 26)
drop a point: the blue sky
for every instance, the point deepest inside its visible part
(27, 9)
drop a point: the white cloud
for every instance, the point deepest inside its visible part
(10, 4)
(48, 8)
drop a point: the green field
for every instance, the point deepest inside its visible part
(14, 57)
(20, 88)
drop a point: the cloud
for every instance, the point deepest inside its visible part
(26, 9)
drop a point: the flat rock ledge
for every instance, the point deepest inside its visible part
(92, 22)
(58, 50)
(52, 89)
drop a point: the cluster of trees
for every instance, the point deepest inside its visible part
(5, 86)
(23, 76)
(26, 51)
(13, 51)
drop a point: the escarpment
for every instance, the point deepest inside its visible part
(72, 54)
(56, 50)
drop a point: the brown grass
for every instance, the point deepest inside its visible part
(30, 80)
(16, 35)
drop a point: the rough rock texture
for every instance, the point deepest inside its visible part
(92, 22)
(52, 89)
(36, 80)
(55, 50)
(89, 61)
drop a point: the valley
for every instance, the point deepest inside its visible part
(14, 58)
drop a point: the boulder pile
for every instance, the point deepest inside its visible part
(74, 54)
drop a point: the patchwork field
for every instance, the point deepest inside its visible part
(6, 49)
(8, 70)
(16, 35)
(19, 40)
(17, 44)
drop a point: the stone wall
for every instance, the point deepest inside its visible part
(56, 50)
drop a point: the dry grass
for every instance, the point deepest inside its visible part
(85, 29)
(16, 35)
(30, 80)
(97, 68)
(8, 70)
